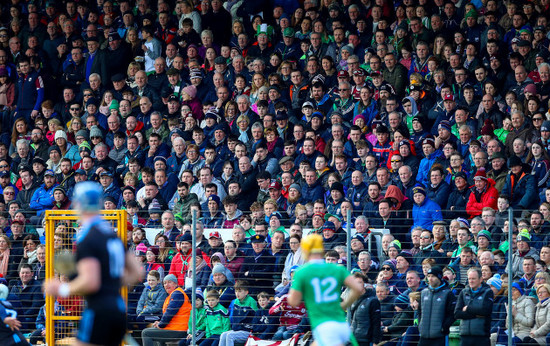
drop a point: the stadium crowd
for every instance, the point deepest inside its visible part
(426, 118)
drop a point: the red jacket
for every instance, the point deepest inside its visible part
(488, 198)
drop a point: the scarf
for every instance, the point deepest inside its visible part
(243, 137)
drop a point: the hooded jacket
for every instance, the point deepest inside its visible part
(425, 214)
(402, 209)
(425, 165)
(409, 117)
(479, 200)
(151, 300)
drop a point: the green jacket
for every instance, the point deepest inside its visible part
(201, 325)
(216, 320)
(183, 205)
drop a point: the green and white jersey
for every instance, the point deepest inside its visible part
(320, 284)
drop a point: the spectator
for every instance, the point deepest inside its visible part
(29, 297)
(425, 211)
(149, 308)
(436, 309)
(175, 315)
(366, 315)
(473, 308)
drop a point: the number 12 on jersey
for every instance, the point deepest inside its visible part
(324, 289)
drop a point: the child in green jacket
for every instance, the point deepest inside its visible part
(216, 319)
(200, 313)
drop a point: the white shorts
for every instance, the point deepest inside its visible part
(332, 333)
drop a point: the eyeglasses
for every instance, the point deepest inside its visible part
(9, 193)
(425, 237)
(74, 109)
(395, 160)
(537, 119)
(344, 89)
(87, 95)
(387, 269)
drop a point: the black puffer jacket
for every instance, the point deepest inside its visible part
(476, 320)
(366, 319)
(436, 312)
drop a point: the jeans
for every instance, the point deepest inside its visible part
(231, 337)
(282, 333)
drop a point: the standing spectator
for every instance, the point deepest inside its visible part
(436, 310)
(366, 315)
(473, 308)
(30, 91)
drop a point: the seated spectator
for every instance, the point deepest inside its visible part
(366, 315)
(175, 315)
(149, 308)
(425, 211)
(241, 314)
(27, 294)
(221, 285)
(42, 198)
(201, 274)
(264, 325)
(216, 319)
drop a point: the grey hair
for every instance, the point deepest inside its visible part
(95, 75)
(207, 32)
(245, 97)
(257, 125)
(22, 142)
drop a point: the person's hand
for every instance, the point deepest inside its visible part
(180, 32)
(43, 333)
(219, 103)
(34, 114)
(514, 311)
(156, 324)
(152, 150)
(51, 287)
(465, 308)
(255, 158)
(13, 323)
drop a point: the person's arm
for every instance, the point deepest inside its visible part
(294, 297)
(133, 272)
(355, 292)
(88, 280)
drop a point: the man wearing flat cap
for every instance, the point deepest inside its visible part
(260, 267)
(118, 55)
(520, 186)
(95, 60)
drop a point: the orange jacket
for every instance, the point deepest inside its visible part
(175, 312)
